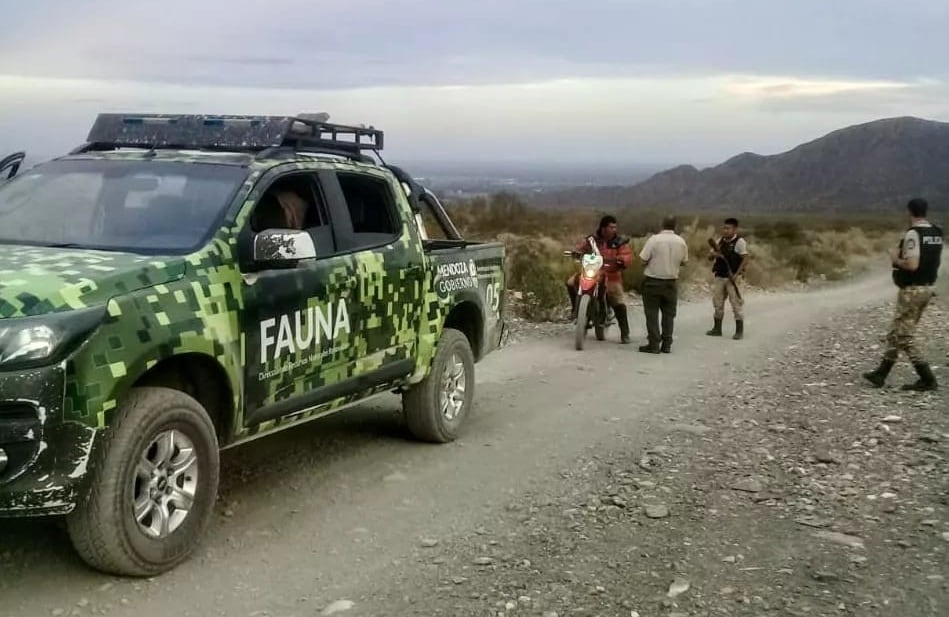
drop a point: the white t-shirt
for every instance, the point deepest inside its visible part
(664, 253)
(741, 247)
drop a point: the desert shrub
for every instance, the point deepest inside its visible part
(804, 262)
(782, 250)
(816, 261)
(780, 232)
(537, 269)
(767, 270)
(634, 275)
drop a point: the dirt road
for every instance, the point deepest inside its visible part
(337, 509)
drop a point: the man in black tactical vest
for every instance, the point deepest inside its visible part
(915, 269)
(730, 261)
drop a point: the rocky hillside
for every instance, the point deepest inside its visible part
(863, 168)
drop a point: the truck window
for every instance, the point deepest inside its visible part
(295, 201)
(123, 205)
(371, 209)
(433, 228)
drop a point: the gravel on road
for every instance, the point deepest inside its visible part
(791, 490)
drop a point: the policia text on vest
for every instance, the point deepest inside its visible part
(915, 271)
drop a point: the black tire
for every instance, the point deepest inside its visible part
(103, 528)
(423, 402)
(600, 328)
(599, 320)
(583, 318)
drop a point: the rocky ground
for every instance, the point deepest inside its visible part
(521, 329)
(792, 490)
(730, 478)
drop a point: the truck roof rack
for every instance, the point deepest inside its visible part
(257, 135)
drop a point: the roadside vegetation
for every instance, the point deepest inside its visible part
(786, 250)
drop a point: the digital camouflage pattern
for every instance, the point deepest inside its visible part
(911, 302)
(398, 299)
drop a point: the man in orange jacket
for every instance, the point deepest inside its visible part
(617, 256)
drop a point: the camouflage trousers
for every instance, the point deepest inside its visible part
(910, 304)
(723, 289)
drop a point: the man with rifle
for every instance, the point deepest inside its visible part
(915, 270)
(730, 257)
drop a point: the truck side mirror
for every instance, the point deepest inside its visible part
(282, 248)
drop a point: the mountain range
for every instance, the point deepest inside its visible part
(864, 168)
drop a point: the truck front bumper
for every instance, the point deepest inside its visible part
(42, 458)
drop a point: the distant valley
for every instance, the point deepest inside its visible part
(861, 169)
(466, 179)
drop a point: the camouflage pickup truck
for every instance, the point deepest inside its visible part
(182, 284)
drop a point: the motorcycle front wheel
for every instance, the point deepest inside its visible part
(580, 329)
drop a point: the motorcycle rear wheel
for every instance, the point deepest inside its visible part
(580, 329)
(599, 317)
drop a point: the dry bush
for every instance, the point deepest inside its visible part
(767, 270)
(537, 268)
(782, 250)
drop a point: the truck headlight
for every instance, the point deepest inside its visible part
(33, 341)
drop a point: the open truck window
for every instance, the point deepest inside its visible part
(371, 209)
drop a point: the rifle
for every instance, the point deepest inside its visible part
(731, 275)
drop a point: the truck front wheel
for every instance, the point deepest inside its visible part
(153, 485)
(436, 407)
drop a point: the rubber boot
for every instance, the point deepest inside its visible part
(926, 381)
(878, 377)
(622, 318)
(739, 329)
(572, 292)
(716, 329)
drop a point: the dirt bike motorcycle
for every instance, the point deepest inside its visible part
(592, 309)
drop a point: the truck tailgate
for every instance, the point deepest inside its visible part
(471, 272)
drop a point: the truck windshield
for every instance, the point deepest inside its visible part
(135, 206)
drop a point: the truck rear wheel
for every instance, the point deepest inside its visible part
(436, 407)
(154, 482)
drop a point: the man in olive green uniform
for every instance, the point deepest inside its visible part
(915, 269)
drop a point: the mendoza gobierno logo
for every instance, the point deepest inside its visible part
(454, 276)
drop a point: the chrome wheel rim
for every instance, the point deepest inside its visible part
(453, 388)
(166, 479)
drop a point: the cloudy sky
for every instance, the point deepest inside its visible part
(638, 81)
